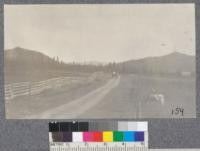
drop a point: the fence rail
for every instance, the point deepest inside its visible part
(30, 88)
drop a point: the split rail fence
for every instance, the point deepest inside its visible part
(30, 88)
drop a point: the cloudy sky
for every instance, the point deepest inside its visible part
(101, 32)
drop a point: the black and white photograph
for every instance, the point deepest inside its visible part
(99, 61)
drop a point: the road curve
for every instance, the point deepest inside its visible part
(76, 107)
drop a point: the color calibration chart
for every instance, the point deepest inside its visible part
(98, 136)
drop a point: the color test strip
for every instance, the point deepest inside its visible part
(118, 136)
(97, 136)
(67, 137)
(129, 136)
(142, 126)
(132, 126)
(64, 127)
(54, 127)
(88, 137)
(107, 136)
(93, 136)
(83, 126)
(80, 132)
(57, 136)
(122, 126)
(98, 126)
(77, 136)
(139, 136)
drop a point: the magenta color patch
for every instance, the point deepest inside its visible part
(87, 136)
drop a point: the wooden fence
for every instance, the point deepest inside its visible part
(30, 88)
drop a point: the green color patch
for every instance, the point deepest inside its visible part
(118, 136)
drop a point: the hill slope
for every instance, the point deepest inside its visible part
(27, 65)
(28, 60)
(172, 63)
(22, 65)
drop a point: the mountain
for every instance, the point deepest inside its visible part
(21, 58)
(174, 62)
(24, 54)
(27, 65)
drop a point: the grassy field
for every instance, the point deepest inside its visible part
(131, 99)
(178, 93)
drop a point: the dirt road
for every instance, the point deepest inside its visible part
(77, 107)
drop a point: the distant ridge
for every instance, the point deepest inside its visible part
(27, 65)
(175, 62)
(24, 54)
(25, 61)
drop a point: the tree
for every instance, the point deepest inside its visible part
(57, 59)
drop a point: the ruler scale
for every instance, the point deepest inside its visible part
(104, 136)
(57, 148)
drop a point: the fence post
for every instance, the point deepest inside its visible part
(11, 91)
(29, 88)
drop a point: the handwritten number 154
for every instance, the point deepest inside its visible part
(178, 111)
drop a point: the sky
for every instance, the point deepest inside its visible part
(101, 32)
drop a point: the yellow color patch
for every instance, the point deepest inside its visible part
(108, 136)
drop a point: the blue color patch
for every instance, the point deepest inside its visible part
(139, 136)
(129, 136)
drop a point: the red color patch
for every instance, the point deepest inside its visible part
(97, 136)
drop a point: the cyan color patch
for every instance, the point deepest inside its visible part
(129, 136)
